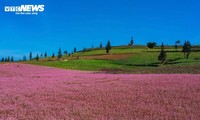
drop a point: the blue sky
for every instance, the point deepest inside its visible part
(83, 23)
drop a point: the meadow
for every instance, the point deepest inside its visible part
(126, 59)
(37, 92)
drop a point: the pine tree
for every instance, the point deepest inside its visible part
(30, 56)
(59, 53)
(8, 59)
(108, 47)
(186, 49)
(2, 60)
(65, 52)
(74, 49)
(45, 54)
(24, 58)
(84, 50)
(131, 42)
(53, 55)
(37, 57)
(162, 56)
(101, 45)
(12, 59)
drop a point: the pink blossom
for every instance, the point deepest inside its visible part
(35, 92)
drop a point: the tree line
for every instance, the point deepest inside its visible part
(186, 49)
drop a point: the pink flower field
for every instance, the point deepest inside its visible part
(34, 92)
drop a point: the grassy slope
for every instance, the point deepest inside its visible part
(138, 60)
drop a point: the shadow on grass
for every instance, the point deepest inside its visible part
(139, 65)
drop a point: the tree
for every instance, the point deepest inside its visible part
(151, 45)
(2, 60)
(74, 49)
(65, 52)
(8, 59)
(12, 59)
(176, 46)
(37, 57)
(53, 55)
(30, 56)
(41, 55)
(131, 42)
(177, 43)
(101, 45)
(24, 58)
(186, 49)
(59, 53)
(84, 50)
(162, 56)
(108, 47)
(45, 54)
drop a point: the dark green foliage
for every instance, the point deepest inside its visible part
(45, 54)
(37, 57)
(151, 44)
(101, 45)
(65, 52)
(108, 47)
(53, 55)
(131, 42)
(84, 50)
(176, 47)
(24, 58)
(74, 49)
(162, 56)
(30, 56)
(12, 59)
(41, 55)
(2, 60)
(186, 49)
(59, 53)
(177, 43)
(8, 60)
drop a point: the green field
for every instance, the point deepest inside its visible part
(125, 59)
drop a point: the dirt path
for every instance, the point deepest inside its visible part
(34, 92)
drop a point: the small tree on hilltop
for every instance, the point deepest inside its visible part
(187, 49)
(45, 54)
(8, 59)
(162, 56)
(151, 45)
(12, 59)
(100, 46)
(108, 47)
(24, 58)
(177, 43)
(53, 55)
(131, 42)
(2, 60)
(74, 49)
(59, 54)
(30, 56)
(37, 57)
(65, 52)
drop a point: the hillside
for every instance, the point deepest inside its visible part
(126, 59)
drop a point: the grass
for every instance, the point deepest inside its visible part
(124, 59)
